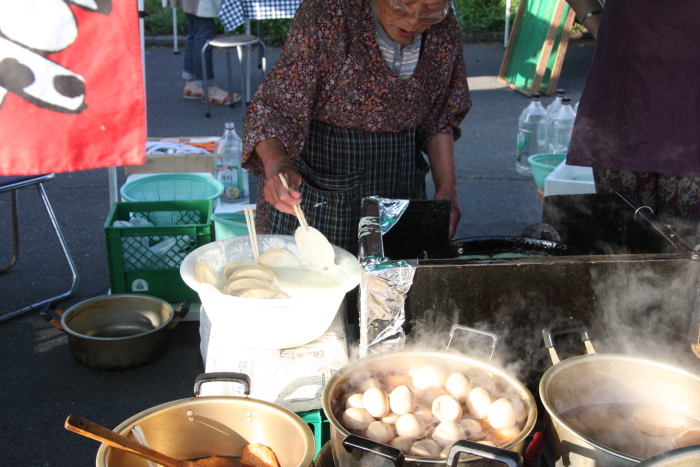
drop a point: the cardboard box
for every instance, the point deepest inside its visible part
(175, 163)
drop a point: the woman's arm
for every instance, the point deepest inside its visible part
(441, 153)
(582, 9)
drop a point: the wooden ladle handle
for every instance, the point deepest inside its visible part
(105, 435)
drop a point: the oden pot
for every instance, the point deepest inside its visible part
(601, 379)
(199, 427)
(348, 452)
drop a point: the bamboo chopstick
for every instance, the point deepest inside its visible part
(250, 222)
(297, 209)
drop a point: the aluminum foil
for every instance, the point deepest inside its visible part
(385, 282)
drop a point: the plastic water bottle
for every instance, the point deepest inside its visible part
(227, 167)
(543, 136)
(562, 126)
(527, 125)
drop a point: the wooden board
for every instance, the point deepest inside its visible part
(537, 46)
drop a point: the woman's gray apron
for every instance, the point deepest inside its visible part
(342, 166)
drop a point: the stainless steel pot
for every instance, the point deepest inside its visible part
(606, 378)
(688, 456)
(116, 332)
(215, 426)
(347, 455)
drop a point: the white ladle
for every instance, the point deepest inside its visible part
(313, 244)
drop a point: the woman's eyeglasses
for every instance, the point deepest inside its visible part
(402, 10)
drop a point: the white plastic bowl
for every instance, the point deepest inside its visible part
(274, 323)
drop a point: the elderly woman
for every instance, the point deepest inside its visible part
(360, 89)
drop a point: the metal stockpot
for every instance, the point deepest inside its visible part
(688, 456)
(215, 426)
(116, 332)
(606, 378)
(401, 362)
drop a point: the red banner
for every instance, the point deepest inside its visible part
(71, 86)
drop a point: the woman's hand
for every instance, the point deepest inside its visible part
(440, 151)
(276, 162)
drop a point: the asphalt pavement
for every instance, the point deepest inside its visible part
(42, 384)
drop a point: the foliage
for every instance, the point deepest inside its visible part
(473, 16)
(478, 16)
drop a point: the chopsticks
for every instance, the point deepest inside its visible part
(297, 209)
(250, 222)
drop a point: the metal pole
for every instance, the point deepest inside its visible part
(175, 49)
(506, 33)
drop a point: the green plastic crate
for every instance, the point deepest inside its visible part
(135, 262)
(319, 425)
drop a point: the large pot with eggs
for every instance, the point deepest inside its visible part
(215, 430)
(419, 404)
(616, 410)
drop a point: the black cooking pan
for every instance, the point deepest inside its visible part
(535, 240)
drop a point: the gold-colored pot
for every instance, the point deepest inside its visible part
(215, 426)
(401, 362)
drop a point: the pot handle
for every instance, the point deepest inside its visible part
(548, 335)
(179, 314)
(241, 378)
(47, 316)
(462, 327)
(357, 442)
(510, 458)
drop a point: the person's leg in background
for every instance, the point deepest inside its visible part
(199, 31)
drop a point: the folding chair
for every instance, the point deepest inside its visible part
(12, 184)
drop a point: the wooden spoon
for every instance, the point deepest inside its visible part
(93, 430)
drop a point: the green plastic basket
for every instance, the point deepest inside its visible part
(172, 187)
(543, 165)
(147, 259)
(319, 425)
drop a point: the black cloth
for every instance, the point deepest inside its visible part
(640, 107)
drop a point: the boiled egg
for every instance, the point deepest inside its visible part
(391, 382)
(501, 414)
(402, 444)
(501, 437)
(425, 448)
(472, 428)
(447, 433)
(459, 385)
(356, 419)
(380, 432)
(429, 394)
(390, 418)
(376, 402)
(478, 403)
(447, 408)
(429, 375)
(424, 412)
(402, 400)
(410, 426)
(354, 401)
